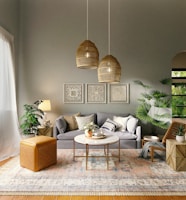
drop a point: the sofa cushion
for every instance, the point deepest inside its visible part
(123, 135)
(132, 124)
(61, 124)
(110, 125)
(69, 135)
(122, 121)
(83, 120)
(126, 135)
(71, 121)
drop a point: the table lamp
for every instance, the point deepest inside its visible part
(45, 106)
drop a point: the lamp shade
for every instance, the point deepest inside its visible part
(87, 55)
(45, 105)
(109, 70)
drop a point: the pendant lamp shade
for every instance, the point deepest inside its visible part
(87, 55)
(109, 70)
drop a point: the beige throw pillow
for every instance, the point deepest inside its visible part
(71, 121)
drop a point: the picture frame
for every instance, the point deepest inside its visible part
(73, 93)
(95, 93)
(118, 93)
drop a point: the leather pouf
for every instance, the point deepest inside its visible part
(38, 152)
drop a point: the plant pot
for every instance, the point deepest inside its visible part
(88, 133)
(180, 138)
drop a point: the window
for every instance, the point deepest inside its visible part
(178, 93)
(9, 134)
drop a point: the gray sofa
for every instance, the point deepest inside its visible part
(66, 127)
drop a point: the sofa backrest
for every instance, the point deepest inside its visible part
(103, 116)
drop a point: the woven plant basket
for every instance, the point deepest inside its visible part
(109, 70)
(90, 62)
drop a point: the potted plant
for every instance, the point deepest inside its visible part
(154, 105)
(180, 133)
(30, 119)
(89, 129)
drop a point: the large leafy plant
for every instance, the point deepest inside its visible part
(30, 119)
(152, 103)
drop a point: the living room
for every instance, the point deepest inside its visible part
(145, 36)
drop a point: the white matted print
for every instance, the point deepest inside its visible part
(73, 93)
(118, 93)
(95, 93)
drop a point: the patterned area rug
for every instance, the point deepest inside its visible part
(130, 176)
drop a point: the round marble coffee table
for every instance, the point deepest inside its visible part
(105, 142)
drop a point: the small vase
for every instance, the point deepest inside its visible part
(180, 138)
(88, 133)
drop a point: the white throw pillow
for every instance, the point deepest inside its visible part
(131, 124)
(84, 120)
(122, 122)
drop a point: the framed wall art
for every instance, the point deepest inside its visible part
(95, 93)
(118, 93)
(73, 93)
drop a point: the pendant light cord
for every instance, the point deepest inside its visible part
(87, 19)
(109, 27)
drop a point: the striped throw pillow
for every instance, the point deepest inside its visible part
(110, 125)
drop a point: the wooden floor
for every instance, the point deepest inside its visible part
(90, 197)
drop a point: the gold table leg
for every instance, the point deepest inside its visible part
(106, 152)
(87, 152)
(107, 156)
(74, 150)
(119, 150)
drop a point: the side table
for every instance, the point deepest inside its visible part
(47, 131)
(176, 154)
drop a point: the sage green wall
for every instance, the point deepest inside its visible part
(9, 15)
(145, 36)
(9, 12)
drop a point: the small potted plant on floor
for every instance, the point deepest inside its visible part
(180, 133)
(30, 119)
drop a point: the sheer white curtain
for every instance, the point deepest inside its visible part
(9, 127)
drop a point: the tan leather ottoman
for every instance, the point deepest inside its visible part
(38, 152)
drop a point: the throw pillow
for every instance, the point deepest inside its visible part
(122, 122)
(102, 117)
(110, 125)
(83, 120)
(71, 121)
(131, 124)
(61, 124)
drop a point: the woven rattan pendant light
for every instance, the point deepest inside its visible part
(87, 55)
(109, 69)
